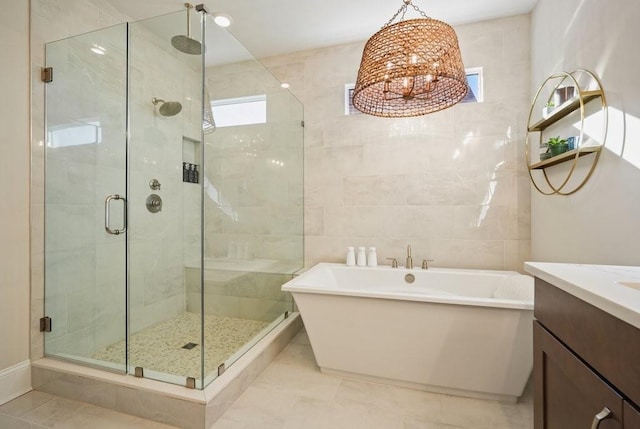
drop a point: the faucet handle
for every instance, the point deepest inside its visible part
(394, 262)
(425, 263)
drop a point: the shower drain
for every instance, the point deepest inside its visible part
(189, 346)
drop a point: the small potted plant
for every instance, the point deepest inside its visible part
(548, 108)
(557, 145)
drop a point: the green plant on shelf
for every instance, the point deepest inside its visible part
(556, 141)
(557, 145)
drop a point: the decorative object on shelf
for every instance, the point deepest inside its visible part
(569, 93)
(546, 154)
(544, 151)
(548, 108)
(573, 142)
(561, 95)
(557, 146)
(410, 68)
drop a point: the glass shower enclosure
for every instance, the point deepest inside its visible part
(173, 199)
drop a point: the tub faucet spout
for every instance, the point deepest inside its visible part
(409, 263)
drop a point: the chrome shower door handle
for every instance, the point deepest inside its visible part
(606, 412)
(107, 220)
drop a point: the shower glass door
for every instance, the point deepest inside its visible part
(165, 133)
(85, 187)
(122, 216)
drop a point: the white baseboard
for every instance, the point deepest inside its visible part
(15, 381)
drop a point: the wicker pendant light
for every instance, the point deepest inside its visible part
(410, 68)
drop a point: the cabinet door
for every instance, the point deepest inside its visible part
(631, 417)
(568, 394)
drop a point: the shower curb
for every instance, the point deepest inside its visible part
(159, 401)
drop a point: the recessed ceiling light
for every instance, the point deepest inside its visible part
(285, 85)
(222, 19)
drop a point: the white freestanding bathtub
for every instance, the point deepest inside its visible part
(454, 331)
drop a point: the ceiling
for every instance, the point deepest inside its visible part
(268, 28)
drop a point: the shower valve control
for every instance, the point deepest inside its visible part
(154, 184)
(154, 203)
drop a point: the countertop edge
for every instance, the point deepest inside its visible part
(597, 298)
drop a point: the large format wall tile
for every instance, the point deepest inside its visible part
(449, 183)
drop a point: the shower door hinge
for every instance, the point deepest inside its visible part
(45, 324)
(191, 383)
(221, 369)
(46, 74)
(302, 124)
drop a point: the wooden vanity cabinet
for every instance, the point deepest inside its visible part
(585, 361)
(631, 416)
(572, 394)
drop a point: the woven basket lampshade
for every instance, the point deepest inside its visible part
(410, 68)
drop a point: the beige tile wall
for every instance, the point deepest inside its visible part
(255, 171)
(239, 294)
(452, 184)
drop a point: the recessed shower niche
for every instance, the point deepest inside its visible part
(191, 160)
(125, 112)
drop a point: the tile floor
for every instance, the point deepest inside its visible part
(292, 394)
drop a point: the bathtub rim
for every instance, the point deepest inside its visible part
(294, 288)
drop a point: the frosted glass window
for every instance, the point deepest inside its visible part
(230, 112)
(75, 134)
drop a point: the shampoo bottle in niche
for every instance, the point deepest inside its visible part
(351, 257)
(372, 258)
(361, 259)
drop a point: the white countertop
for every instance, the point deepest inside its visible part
(596, 284)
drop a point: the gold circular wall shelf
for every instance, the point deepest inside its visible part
(591, 91)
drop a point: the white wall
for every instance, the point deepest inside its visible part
(600, 223)
(14, 201)
(453, 184)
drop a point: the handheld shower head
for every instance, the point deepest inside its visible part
(185, 43)
(167, 108)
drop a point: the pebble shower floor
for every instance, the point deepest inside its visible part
(160, 347)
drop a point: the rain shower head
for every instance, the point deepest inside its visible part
(167, 108)
(185, 43)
